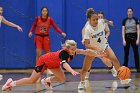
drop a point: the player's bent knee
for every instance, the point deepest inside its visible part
(32, 81)
(63, 79)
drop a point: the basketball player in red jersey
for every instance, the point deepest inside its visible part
(42, 24)
(53, 61)
(3, 20)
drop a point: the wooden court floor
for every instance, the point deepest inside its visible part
(99, 82)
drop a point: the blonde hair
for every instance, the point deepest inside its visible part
(69, 43)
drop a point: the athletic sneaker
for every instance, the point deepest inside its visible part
(81, 91)
(114, 85)
(1, 77)
(126, 81)
(7, 85)
(47, 83)
(114, 72)
(87, 75)
(87, 83)
(81, 85)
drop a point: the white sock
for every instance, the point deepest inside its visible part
(13, 83)
(82, 82)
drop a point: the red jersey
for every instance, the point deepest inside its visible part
(52, 60)
(42, 26)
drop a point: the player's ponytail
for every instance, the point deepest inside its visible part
(90, 12)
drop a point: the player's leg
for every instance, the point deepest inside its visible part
(87, 75)
(46, 47)
(116, 63)
(59, 76)
(38, 44)
(86, 66)
(109, 64)
(39, 69)
(24, 81)
(111, 56)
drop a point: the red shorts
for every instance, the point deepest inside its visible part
(45, 61)
(42, 42)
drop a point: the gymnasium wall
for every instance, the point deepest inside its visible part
(17, 49)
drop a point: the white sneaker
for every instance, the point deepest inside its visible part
(7, 85)
(87, 84)
(87, 75)
(48, 91)
(126, 81)
(47, 83)
(1, 77)
(81, 85)
(114, 72)
(114, 85)
(81, 91)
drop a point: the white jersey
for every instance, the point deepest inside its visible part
(96, 35)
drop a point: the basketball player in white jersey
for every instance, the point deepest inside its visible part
(107, 33)
(94, 38)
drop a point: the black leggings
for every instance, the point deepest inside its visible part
(131, 39)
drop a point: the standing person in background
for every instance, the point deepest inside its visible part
(3, 20)
(107, 30)
(130, 35)
(42, 24)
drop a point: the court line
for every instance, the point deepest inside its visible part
(53, 87)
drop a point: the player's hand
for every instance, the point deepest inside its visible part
(137, 42)
(101, 54)
(30, 34)
(99, 49)
(63, 34)
(19, 28)
(124, 42)
(111, 23)
(74, 73)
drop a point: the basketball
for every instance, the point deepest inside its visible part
(123, 73)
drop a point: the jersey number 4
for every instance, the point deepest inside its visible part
(99, 40)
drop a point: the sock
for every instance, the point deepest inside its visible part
(13, 83)
(82, 82)
(88, 70)
(110, 67)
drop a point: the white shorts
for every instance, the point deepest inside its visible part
(103, 46)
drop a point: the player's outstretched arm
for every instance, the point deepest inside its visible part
(91, 52)
(69, 69)
(11, 24)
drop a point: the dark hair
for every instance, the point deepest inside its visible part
(90, 12)
(130, 8)
(101, 12)
(46, 8)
